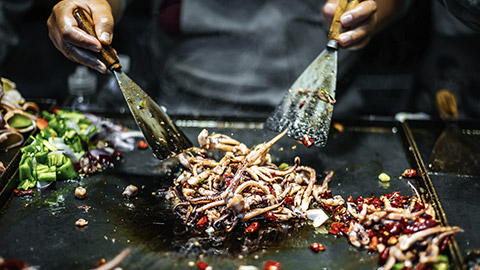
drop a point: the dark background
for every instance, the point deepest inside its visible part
(390, 76)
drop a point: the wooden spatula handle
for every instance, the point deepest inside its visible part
(336, 27)
(107, 55)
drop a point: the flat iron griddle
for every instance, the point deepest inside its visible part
(41, 230)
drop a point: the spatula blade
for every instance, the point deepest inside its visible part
(162, 135)
(306, 110)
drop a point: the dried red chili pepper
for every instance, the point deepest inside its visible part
(202, 222)
(272, 190)
(54, 111)
(376, 202)
(326, 207)
(13, 264)
(418, 206)
(117, 154)
(373, 243)
(326, 195)
(316, 247)
(142, 145)
(344, 230)
(444, 244)
(359, 199)
(301, 104)
(335, 228)
(202, 265)
(421, 266)
(393, 227)
(409, 173)
(253, 227)
(271, 217)
(228, 178)
(383, 256)
(41, 123)
(101, 262)
(288, 200)
(21, 193)
(272, 265)
(307, 141)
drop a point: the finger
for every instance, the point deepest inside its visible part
(83, 57)
(359, 13)
(329, 11)
(63, 26)
(77, 37)
(103, 21)
(356, 36)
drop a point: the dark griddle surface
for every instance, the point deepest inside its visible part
(44, 234)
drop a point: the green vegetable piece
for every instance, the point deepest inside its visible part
(19, 121)
(49, 146)
(47, 115)
(7, 85)
(27, 184)
(443, 258)
(64, 166)
(29, 149)
(45, 173)
(25, 174)
(56, 160)
(398, 266)
(41, 157)
(47, 176)
(384, 177)
(440, 266)
(141, 104)
(66, 171)
(283, 166)
(46, 133)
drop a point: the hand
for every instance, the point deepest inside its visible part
(360, 21)
(73, 42)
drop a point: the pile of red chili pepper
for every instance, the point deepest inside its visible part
(402, 229)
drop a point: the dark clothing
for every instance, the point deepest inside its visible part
(236, 56)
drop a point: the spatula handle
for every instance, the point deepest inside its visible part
(336, 28)
(107, 55)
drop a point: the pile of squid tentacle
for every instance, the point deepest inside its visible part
(242, 185)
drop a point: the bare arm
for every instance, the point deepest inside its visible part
(74, 43)
(366, 19)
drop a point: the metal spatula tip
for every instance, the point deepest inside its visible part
(161, 133)
(306, 109)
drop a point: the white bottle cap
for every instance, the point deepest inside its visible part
(82, 81)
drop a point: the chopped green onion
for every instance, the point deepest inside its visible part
(283, 166)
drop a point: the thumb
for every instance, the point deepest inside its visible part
(104, 22)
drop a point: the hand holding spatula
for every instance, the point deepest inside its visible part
(161, 133)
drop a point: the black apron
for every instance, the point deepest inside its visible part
(237, 57)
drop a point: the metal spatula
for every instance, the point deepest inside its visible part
(162, 135)
(306, 109)
(454, 151)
